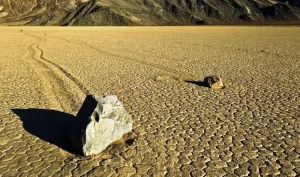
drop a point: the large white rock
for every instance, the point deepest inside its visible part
(100, 122)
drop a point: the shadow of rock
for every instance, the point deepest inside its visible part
(49, 125)
(198, 83)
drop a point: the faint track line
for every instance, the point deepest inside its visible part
(173, 72)
(45, 82)
(55, 84)
(70, 76)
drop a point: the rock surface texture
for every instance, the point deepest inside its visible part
(214, 82)
(100, 122)
(152, 12)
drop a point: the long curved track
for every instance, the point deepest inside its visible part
(54, 79)
(250, 128)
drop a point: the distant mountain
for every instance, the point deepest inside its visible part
(149, 12)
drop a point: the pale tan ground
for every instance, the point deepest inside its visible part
(249, 128)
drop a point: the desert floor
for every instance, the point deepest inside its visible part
(183, 128)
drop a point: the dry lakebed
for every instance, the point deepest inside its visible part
(182, 128)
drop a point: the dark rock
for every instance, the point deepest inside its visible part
(214, 82)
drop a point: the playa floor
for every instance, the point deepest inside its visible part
(182, 127)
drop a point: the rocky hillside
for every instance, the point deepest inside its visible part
(149, 12)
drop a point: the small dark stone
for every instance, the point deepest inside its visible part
(214, 82)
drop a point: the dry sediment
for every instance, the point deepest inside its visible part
(249, 128)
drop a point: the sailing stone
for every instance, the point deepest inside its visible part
(214, 82)
(100, 122)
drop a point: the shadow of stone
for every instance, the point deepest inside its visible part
(49, 125)
(198, 83)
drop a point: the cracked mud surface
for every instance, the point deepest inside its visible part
(249, 128)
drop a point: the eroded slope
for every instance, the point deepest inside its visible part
(153, 12)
